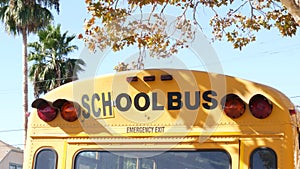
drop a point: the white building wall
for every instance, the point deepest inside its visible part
(13, 157)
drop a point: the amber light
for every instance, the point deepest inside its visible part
(260, 106)
(69, 112)
(233, 106)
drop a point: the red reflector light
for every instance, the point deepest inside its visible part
(260, 106)
(69, 112)
(46, 112)
(149, 78)
(233, 106)
(292, 111)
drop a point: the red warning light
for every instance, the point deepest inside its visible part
(45, 111)
(260, 106)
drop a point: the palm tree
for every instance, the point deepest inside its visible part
(52, 68)
(21, 17)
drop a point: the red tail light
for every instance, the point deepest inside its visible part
(45, 111)
(233, 106)
(260, 106)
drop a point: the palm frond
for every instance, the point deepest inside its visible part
(51, 52)
(50, 4)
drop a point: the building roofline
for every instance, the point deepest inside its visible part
(6, 149)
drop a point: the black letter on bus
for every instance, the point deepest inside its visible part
(213, 103)
(174, 97)
(106, 103)
(188, 100)
(128, 102)
(86, 106)
(95, 112)
(154, 104)
(137, 103)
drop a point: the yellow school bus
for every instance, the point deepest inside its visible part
(162, 119)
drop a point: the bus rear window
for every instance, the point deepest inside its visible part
(215, 159)
(46, 159)
(263, 158)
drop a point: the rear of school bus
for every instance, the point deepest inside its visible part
(162, 119)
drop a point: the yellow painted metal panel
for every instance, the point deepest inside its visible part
(184, 112)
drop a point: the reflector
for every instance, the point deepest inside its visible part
(233, 106)
(260, 106)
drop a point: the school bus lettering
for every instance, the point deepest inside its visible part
(196, 102)
(84, 100)
(96, 111)
(142, 102)
(156, 129)
(155, 106)
(106, 103)
(211, 102)
(174, 101)
(128, 102)
(137, 101)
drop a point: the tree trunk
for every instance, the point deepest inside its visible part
(58, 74)
(25, 81)
(293, 7)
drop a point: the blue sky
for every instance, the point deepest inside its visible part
(271, 60)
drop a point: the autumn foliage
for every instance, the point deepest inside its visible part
(116, 24)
